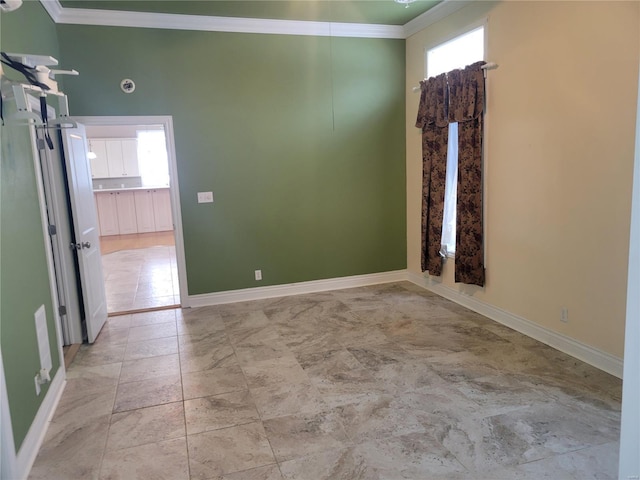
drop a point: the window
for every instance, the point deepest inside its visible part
(459, 52)
(152, 158)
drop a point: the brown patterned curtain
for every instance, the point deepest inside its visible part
(457, 96)
(433, 119)
(466, 105)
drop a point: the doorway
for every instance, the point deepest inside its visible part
(140, 272)
(135, 185)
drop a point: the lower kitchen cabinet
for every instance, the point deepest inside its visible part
(153, 210)
(116, 213)
(136, 211)
(162, 210)
(107, 213)
(126, 213)
(144, 211)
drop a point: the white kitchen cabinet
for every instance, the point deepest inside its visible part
(153, 210)
(162, 209)
(130, 166)
(107, 213)
(144, 211)
(126, 213)
(134, 211)
(115, 158)
(99, 166)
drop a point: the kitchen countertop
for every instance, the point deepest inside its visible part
(127, 189)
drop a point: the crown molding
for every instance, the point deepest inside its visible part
(366, 30)
(53, 8)
(115, 18)
(433, 15)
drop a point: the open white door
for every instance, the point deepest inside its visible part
(85, 224)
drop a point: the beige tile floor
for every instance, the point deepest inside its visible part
(383, 382)
(141, 278)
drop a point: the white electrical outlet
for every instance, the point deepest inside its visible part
(258, 274)
(205, 197)
(564, 315)
(37, 382)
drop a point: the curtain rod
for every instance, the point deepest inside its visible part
(485, 67)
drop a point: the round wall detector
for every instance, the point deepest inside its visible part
(127, 85)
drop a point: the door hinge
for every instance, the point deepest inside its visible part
(42, 145)
(62, 310)
(53, 230)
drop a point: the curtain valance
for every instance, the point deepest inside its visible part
(434, 102)
(456, 96)
(466, 93)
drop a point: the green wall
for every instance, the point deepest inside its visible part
(301, 139)
(24, 279)
(28, 30)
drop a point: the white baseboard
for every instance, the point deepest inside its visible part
(599, 359)
(314, 286)
(35, 436)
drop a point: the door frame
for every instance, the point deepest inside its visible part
(44, 218)
(167, 122)
(55, 203)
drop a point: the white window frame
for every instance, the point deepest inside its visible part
(453, 131)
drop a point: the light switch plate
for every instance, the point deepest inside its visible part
(205, 197)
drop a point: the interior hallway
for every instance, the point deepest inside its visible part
(140, 271)
(382, 382)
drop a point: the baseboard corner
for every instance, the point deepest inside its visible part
(30, 447)
(591, 355)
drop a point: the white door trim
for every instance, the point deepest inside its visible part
(629, 466)
(167, 122)
(48, 247)
(61, 256)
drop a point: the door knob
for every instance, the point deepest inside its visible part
(86, 244)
